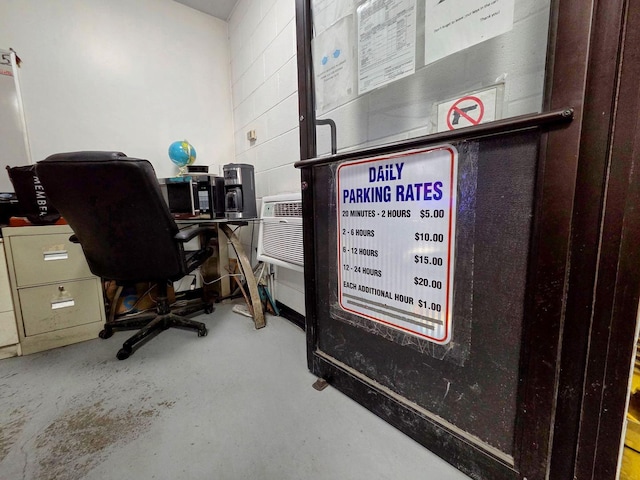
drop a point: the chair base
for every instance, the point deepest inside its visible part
(152, 323)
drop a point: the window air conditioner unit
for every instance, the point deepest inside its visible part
(280, 234)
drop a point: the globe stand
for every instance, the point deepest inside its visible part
(182, 154)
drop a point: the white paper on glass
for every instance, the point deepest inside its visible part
(386, 42)
(334, 65)
(396, 240)
(328, 12)
(454, 25)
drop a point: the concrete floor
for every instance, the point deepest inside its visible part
(237, 404)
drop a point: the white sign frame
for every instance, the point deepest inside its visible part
(396, 227)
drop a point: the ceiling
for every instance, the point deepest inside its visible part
(218, 8)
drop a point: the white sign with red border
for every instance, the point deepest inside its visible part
(396, 240)
(468, 110)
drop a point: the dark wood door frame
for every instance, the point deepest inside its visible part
(617, 284)
(567, 69)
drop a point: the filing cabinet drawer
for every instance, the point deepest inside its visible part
(8, 330)
(47, 258)
(48, 308)
(6, 304)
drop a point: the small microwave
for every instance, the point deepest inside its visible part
(194, 195)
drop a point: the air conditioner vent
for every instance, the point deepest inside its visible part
(280, 236)
(282, 241)
(287, 209)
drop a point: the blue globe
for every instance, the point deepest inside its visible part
(182, 154)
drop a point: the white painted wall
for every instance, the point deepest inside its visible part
(127, 75)
(262, 39)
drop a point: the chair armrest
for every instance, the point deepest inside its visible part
(196, 258)
(183, 236)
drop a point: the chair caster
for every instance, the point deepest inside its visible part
(202, 332)
(106, 333)
(208, 308)
(123, 354)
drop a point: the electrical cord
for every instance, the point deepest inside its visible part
(219, 278)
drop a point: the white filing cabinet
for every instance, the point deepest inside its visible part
(56, 298)
(9, 346)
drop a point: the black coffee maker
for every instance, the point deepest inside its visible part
(240, 191)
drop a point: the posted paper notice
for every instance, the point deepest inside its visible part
(334, 65)
(454, 25)
(328, 12)
(386, 42)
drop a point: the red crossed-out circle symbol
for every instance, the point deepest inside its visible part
(467, 108)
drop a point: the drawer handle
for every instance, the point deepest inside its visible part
(70, 302)
(64, 300)
(56, 255)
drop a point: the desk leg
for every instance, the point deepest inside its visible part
(245, 265)
(214, 268)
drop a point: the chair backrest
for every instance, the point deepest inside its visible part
(115, 207)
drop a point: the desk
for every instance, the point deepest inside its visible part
(244, 262)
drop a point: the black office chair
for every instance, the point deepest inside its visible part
(117, 212)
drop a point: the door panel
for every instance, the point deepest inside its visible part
(487, 399)
(471, 382)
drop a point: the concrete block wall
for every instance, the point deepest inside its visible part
(264, 83)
